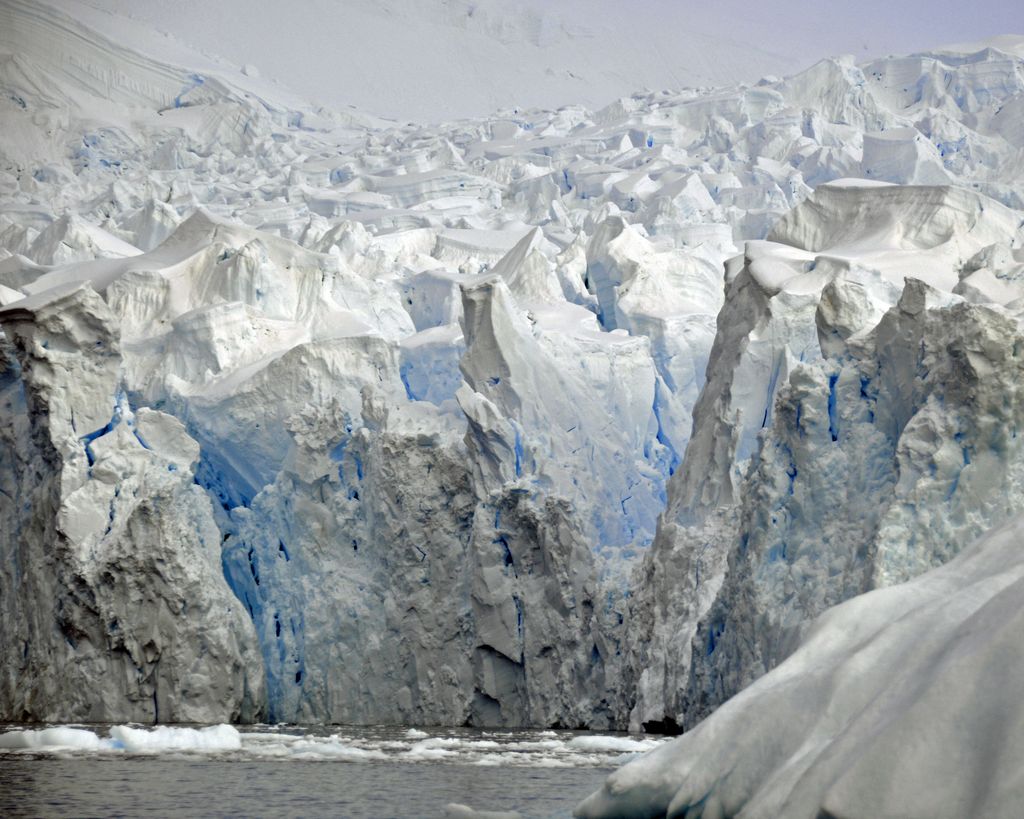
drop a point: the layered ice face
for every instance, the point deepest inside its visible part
(315, 416)
(859, 427)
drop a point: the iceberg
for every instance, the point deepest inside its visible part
(898, 702)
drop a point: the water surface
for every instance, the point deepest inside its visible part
(301, 771)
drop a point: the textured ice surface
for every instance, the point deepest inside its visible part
(401, 405)
(837, 442)
(859, 427)
(99, 626)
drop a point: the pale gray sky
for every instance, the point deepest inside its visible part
(864, 27)
(435, 59)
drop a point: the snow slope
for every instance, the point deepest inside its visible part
(401, 58)
(428, 389)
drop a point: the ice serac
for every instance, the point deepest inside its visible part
(925, 462)
(113, 597)
(465, 596)
(859, 425)
(669, 296)
(899, 702)
(540, 374)
(448, 605)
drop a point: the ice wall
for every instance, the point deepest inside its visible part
(470, 418)
(859, 427)
(114, 602)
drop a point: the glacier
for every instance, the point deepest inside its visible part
(555, 418)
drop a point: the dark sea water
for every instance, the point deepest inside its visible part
(92, 771)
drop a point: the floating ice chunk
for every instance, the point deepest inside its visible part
(896, 704)
(214, 739)
(165, 738)
(315, 748)
(602, 743)
(434, 748)
(453, 810)
(52, 739)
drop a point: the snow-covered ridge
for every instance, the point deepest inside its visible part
(426, 390)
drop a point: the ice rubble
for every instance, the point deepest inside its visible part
(521, 748)
(418, 395)
(900, 702)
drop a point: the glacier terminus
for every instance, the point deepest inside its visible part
(694, 413)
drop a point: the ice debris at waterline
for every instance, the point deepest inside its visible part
(214, 739)
(311, 416)
(543, 749)
(901, 702)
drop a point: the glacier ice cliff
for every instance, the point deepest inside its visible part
(114, 604)
(568, 417)
(858, 427)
